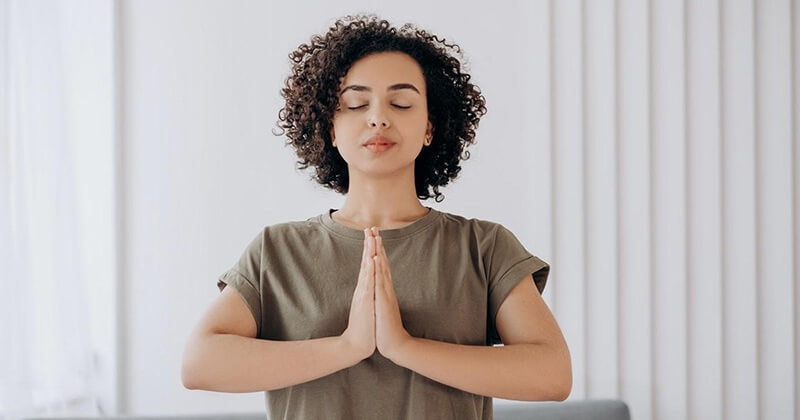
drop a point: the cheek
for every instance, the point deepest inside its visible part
(341, 126)
(345, 121)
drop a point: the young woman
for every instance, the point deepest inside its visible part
(384, 308)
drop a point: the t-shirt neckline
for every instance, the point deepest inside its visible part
(410, 229)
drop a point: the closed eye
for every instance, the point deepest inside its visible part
(396, 106)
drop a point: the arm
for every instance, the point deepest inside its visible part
(222, 354)
(533, 365)
(492, 371)
(232, 363)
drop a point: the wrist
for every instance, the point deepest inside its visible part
(398, 353)
(352, 354)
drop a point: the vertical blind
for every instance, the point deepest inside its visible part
(671, 134)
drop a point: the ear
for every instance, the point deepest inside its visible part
(333, 138)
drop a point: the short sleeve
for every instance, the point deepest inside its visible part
(507, 264)
(245, 275)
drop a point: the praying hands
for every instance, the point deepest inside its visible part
(374, 320)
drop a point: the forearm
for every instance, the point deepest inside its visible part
(529, 372)
(233, 363)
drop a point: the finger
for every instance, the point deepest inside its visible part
(370, 277)
(387, 272)
(378, 273)
(382, 250)
(383, 293)
(382, 281)
(369, 246)
(379, 258)
(383, 257)
(380, 293)
(367, 277)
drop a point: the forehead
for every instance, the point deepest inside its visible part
(380, 70)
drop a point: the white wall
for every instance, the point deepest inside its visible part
(647, 150)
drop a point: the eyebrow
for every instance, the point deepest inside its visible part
(396, 86)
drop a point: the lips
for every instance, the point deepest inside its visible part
(378, 140)
(379, 147)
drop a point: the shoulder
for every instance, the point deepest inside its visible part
(291, 226)
(292, 231)
(489, 237)
(479, 228)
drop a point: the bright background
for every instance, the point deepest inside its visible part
(647, 150)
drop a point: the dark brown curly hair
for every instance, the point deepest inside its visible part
(455, 105)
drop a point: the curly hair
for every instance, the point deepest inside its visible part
(455, 105)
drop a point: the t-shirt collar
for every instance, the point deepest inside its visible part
(410, 229)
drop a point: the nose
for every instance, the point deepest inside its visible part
(377, 117)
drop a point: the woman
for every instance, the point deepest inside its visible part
(384, 307)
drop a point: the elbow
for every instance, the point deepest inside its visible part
(188, 375)
(558, 392)
(197, 364)
(565, 391)
(187, 378)
(554, 383)
(566, 384)
(189, 370)
(560, 385)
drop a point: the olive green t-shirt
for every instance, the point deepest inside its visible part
(450, 275)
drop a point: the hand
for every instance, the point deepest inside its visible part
(360, 331)
(390, 335)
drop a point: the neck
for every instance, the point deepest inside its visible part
(386, 202)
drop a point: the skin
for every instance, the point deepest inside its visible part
(381, 190)
(390, 335)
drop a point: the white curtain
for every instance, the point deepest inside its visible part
(671, 177)
(49, 356)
